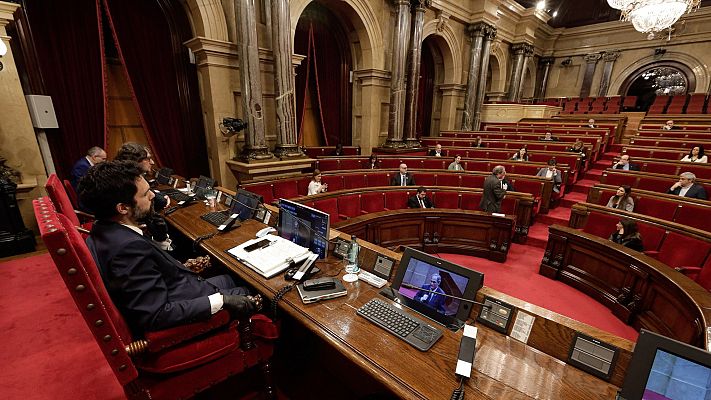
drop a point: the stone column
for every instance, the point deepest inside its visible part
(284, 81)
(591, 60)
(255, 142)
(519, 50)
(476, 31)
(527, 54)
(413, 80)
(544, 64)
(609, 57)
(397, 79)
(489, 35)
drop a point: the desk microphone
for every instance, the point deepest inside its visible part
(407, 285)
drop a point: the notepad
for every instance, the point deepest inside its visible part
(272, 259)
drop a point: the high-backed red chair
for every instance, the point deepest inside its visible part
(63, 204)
(355, 181)
(378, 179)
(395, 200)
(679, 250)
(448, 180)
(262, 189)
(693, 215)
(425, 179)
(702, 275)
(445, 199)
(335, 182)
(286, 189)
(71, 193)
(351, 163)
(173, 363)
(659, 208)
(329, 206)
(470, 201)
(349, 206)
(372, 202)
(601, 225)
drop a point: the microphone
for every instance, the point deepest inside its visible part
(407, 285)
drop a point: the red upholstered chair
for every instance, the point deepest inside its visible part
(652, 237)
(302, 185)
(658, 185)
(446, 199)
(71, 193)
(473, 181)
(335, 182)
(349, 206)
(693, 215)
(286, 189)
(351, 163)
(659, 168)
(679, 250)
(355, 181)
(169, 364)
(395, 200)
(470, 201)
(702, 275)
(389, 163)
(372, 202)
(262, 189)
(63, 204)
(378, 179)
(329, 206)
(508, 206)
(448, 180)
(328, 164)
(601, 225)
(425, 179)
(659, 208)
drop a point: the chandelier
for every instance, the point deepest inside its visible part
(650, 16)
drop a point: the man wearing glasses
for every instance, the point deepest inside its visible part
(433, 300)
(93, 156)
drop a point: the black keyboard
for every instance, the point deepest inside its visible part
(414, 331)
(216, 218)
(176, 195)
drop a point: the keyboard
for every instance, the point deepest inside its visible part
(216, 218)
(372, 279)
(414, 331)
(176, 195)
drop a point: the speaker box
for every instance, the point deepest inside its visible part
(41, 111)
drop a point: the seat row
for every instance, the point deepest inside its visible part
(540, 188)
(321, 151)
(672, 167)
(672, 243)
(643, 180)
(685, 143)
(696, 103)
(350, 203)
(694, 213)
(606, 134)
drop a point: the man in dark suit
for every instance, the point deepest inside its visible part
(420, 200)
(495, 189)
(687, 187)
(549, 137)
(625, 164)
(669, 125)
(404, 178)
(153, 290)
(93, 156)
(433, 300)
(437, 151)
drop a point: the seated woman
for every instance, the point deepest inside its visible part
(578, 147)
(373, 162)
(696, 155)
(315, 186)
(456, 164)
(628, 235)
(521, 155)
(622, 200)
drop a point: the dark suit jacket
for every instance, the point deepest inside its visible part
(433, 152)
(434, 300)
(78, 171)
(696, 191)
(409, 181)
(633, 167)
(414, 202)
(153, 290)
(493, 195)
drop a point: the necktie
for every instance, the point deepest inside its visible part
(422, 203)
(402, 180)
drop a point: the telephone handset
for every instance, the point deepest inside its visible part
(229, 223)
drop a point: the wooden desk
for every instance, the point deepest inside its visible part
(503, 369)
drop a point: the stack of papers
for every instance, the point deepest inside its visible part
(272, 259)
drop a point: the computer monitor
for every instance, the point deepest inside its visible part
(245, 204)
(204, 183)
(427, 272)
(304, 226)
(163, 176)
(664, 368)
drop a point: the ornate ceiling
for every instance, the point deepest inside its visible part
(573, 13)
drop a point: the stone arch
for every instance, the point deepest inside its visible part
(449, 48)
(497, 63)
(361, 19)
(700, 71)
(207, 19)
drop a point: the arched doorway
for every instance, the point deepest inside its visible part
(425, 90)
(667, 78)
(323, 88)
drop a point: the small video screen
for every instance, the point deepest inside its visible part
(433, 282)
(676, 378)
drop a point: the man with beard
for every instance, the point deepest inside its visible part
(153, 290)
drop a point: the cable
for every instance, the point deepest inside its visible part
(458, 393)
(199, 239)
(281, 293)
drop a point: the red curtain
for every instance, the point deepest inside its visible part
(164, 85)
(67, 37)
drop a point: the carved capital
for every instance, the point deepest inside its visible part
(421, 5)
(482, 29)
(442, 20)
(399, 3)
(522, 48)
(610, 56)
(592, 58)
(546, 60)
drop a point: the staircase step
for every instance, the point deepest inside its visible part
(537, 235)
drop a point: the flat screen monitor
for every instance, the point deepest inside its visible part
(245, 204)
(304, 226)
(425, 274)
(163, 176)
(204, 183)
(666, 369)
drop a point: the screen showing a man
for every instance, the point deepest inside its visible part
(434, 285)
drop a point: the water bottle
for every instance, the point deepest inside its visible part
(353, 249)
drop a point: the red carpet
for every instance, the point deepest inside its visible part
(48, 352)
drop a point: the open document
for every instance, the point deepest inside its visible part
(269, 255)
